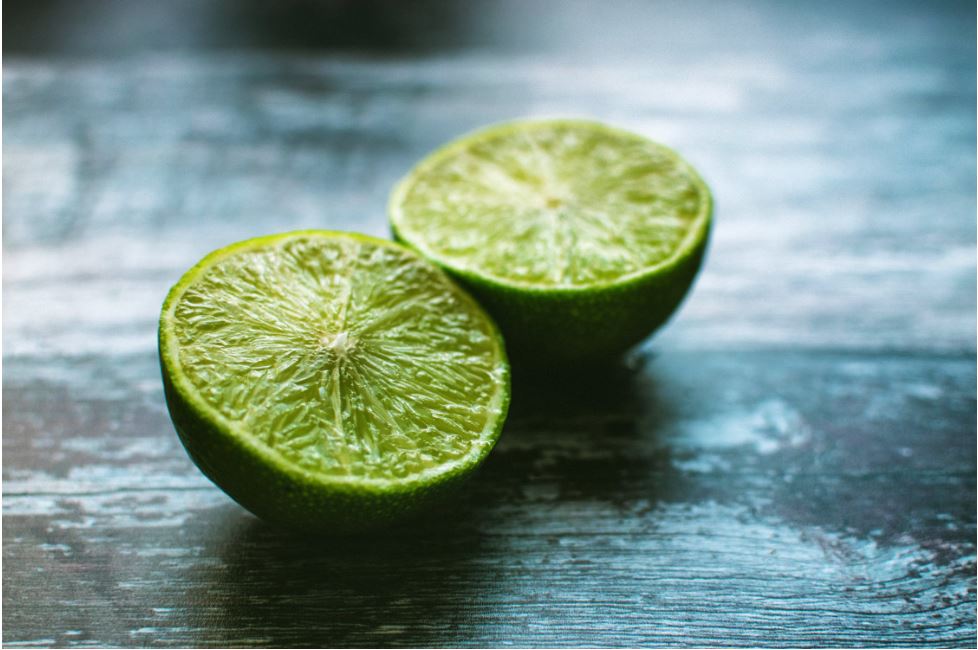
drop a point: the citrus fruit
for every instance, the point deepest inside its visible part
(330, 381)
(579, 238)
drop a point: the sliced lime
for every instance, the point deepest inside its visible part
(560, 227)
(328, 380)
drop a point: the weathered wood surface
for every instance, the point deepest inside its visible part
(791, 462)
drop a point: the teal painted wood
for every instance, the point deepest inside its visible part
(790, 463)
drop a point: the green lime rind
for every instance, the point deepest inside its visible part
(590, 322)
(269, 483)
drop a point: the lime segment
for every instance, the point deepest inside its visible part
(579, 238)
(335, 360)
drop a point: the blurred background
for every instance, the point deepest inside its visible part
(838, 136)
(789, 463)
(621, 29)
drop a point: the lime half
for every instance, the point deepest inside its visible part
(330, 381)
(580, 238)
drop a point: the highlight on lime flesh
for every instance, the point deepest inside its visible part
(330, 381)
(579, 238)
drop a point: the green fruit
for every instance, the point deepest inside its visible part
(580, 239)
(329, 381)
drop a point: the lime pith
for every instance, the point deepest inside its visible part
(579, 238)
(328, 380)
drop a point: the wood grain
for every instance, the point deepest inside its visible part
(616, 511)
(789, 463)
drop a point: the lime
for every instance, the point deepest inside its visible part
(581, 239)
(330, 381)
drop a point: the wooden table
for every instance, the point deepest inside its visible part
(790, 462)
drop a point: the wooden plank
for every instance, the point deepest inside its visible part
(754, 498)
(132, 171)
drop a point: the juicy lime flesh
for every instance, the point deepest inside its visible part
(552, 204)
(349, 359)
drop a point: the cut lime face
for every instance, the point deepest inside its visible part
(333, 360)
(579, 238)
(551, 204)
